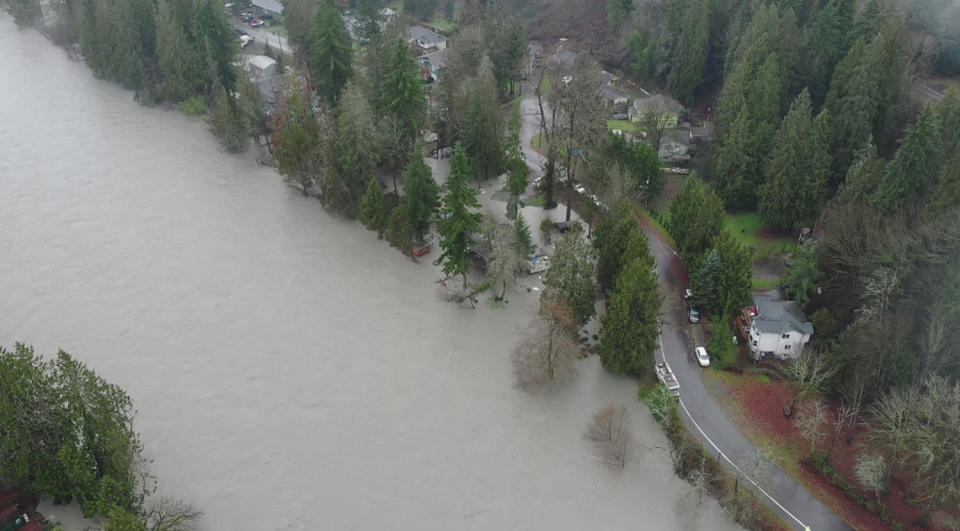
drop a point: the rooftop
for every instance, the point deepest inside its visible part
(420, 33)
(269, 5)
(777, 316)
(658, 103)
(437, 59)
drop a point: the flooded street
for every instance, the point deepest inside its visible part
(289, 370)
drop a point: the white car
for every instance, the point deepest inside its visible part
(702, 357)
(245, 40)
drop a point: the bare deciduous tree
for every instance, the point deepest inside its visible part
(610, 429)
(547, 349)
(169, 514)
(871, 472)
(655, 125)
(812, 417)
(808, 374)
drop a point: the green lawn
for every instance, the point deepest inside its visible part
(535, 143)
(443, 25)
(747, 229)
(278, 29)
(544, 84)
(622, 125)
(764, 284)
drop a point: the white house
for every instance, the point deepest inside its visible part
(779, 329)
(427, 39)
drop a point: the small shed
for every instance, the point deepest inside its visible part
(261, 66)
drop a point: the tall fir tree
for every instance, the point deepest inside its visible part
(629, 329)
(705, 283)
(687, 73)
(797, 172)
(421, 194)
(750, 114)
(515, 163)
(403, 94)
(913, 173)
(523, 239)
(610, 238)
(331, 52)
(695, 218)
(827, 43)
(481, 135)
(459, 222)
(356, 146)
(373, 208)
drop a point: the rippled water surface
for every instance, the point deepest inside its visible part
(289, 370)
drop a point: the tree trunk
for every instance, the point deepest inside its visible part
(570, 168)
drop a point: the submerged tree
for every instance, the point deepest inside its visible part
(373, 208)
(421, 194)
(572, 275)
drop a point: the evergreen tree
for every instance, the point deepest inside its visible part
(421, 9)
(687, 73)
(610, 238)
(748, 138)
(398, 229)
(827, 43)
(459, 222)
(403, 91)
(695, 219)
(618, 11)
(214, 35)
(295, 136)
(331, 52)
(516, 164)
(705, 283)
(736, 272)
(373, 208)
(368, 17)
(629, 328)
(798, 169)
(177, 58)
(948, 111)
(357, 155)
(572, 275)
(948, 187)
(523, 240)
(481, 135)
(913, 173)
(421, 194)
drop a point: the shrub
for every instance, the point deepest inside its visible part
(193, 106)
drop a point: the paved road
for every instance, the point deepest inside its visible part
(261, 35)
(706, 419)
(793, 503)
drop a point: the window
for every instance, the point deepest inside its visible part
(754, 342)
(785, 336)
(786, 347)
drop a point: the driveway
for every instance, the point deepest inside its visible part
(704, 417)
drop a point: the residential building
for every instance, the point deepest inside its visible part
(426, 39)
(268, 9)
(779, 328)
(660, 104)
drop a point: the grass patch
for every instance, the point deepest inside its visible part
(535, 201)
(494, 304)
(763, 284)
(443, 25)
(545, 84)
(657, 226)
(748, 230)
(194, 106)
(278, 29)
(539, 145)
(622, 125)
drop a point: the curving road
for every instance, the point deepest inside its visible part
(707, 420)
(702, 414)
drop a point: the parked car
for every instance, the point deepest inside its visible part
(256, 22)
(245, 40)
(240, 31)
(702, 357)
(692, 314)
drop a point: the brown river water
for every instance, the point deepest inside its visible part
(289, 370)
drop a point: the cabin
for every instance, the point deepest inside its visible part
(661, 104)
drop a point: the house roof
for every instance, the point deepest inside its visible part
(777, 316)
(657, 103)
(420, 33)
(269, 5)
(437, 59)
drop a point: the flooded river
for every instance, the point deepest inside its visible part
(289, 370)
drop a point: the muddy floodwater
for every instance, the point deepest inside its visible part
(289, 370)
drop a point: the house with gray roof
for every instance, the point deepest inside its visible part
(665, 106)
(779, 328)
(426, 39)
(269, 7)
